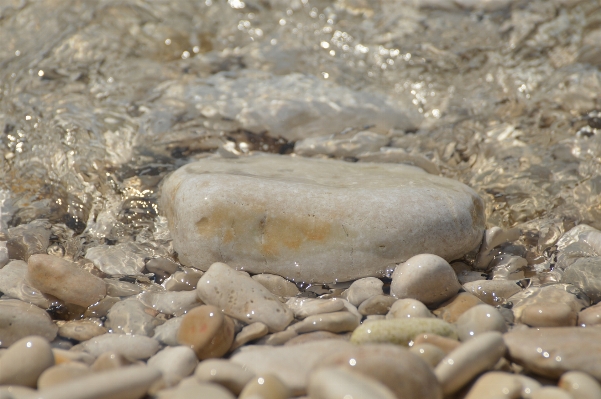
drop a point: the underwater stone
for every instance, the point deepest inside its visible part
(316, 220)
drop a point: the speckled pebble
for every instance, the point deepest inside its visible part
(362, 289)
(400, 331)
(25, 361)
(404, 308)
(426, 277)
(266, 386)
(207, 331)
(249, 333)
(224, 372)
(479, 319)
(580, 385)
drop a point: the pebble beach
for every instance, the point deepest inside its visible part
(300, 199)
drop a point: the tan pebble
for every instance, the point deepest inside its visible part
(336, 383)
(19, 319)
(550, 393)
(277, 285)
(470, 359)
(404, 308)
(400, 331)
(447, 345)
(64, 356)
(528, 384)
(279, 338)
(102, 307)
(224, 372)
(547, 295)
(376, 305)
(249, 333)
(266, 386)
(62, 373)
(362, 289)
(305, 307)
(590, 316)
(401, 371)
(333, 322)
(110, 361)
(450, 310)
(426, 277)
(81, 330)
(316, 336)
(16, 392)
(65, 280)
(195, 390)
(492, 292)
(206, 330)
(580, 385)
(479, 319)
(25, 361)
(428, 353)
(549, 315)
(185, 280)
(121, 288)
(496, 384)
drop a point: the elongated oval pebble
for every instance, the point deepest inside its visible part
(549, 315)
(25, 361)
(305, 307)
(333, 322)
(580, 385)
(207, 331)
(19, 319)
(400, 331)
(452, 309)
(336, 383)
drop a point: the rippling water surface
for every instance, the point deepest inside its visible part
(100, 99)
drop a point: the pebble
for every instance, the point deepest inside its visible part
(492, 292)
(131, 346)
(362, 289)
(126, 382)
(333, 322)
(109, 361)
(479, 319)
(194, 391)
(425, 277)
(470, 276)
(121, 259)
(340, 383)
(242, 298)
(64, 280)
(429, 353)
(131, 316)
(400, 331)
(447, 345)
(207, 331)
(298, 214)
(450, 310)
(279, 338)
(473, 357)
(3, 254)
(315, 336)
(118, 288)
(497, 385)
(401, 371)
(590, 316)
(175, 363)
(266, 386)
(81, 330)
(184, 280)
(277, 285)
(580, 385)
(174, 303)
(549, 295)
(586, 275)
(345, 146)
(166, 333)
(28, 239)
(249, 333)
(408, 307)
(493, 237)
(507, 267)
(550, 393)
(291, 364)
(101, 309)
(548, 315)
(552, 351)
(376, 305)
(161, 267)
(13, 284)
(224, 372)
(16, 392)
(67, 356)
(62, 373)
(25, 361)
(19, 319)
(305, 307)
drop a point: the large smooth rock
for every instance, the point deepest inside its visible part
(316, 220)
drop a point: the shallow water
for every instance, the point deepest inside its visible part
(100, 99)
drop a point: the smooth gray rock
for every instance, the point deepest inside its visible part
(316, 220)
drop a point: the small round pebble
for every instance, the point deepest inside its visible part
(549, 315)
(479, 319)
(400, 331)
(207, 331)
(404, 308)
(453, 308)
(340, 383)
(426, 277)
(224, 372)
(25, 361)
(580, 385)
(362, 289)
(266, 386)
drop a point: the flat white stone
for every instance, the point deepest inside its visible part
(316, 220)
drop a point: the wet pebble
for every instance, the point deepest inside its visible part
(492, 292)
(3, 254)
(426, 277)
(304, 307)
(552, 351)
(493, 237)
(549, 296)
(249, 333)
(120, 259)
(429, 353)
(64, 280)
(450, 310)
(28, 239)
(166, 333)
(24, 361)
(580, 385)
(473, 357)
(19, 319)
(266, 386)
(404, 308)
(242, 298)
(400, 331)
(333, 322)
(376, 305)
(13, 284)
(118, 288)
(585, 274)
(162, 267)
(101, 309)
(479, 319)
(207, 331)
(130, 346)
(184, 280)
(277, 285)
(224, 372)
(175, 363)
(174, 303)
(336, 383)
(62, 373)
(81, 330)
(590, 316)
(131, 317)
(548, 315)
(362, 289)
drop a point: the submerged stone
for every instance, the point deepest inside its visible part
(316, 220)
